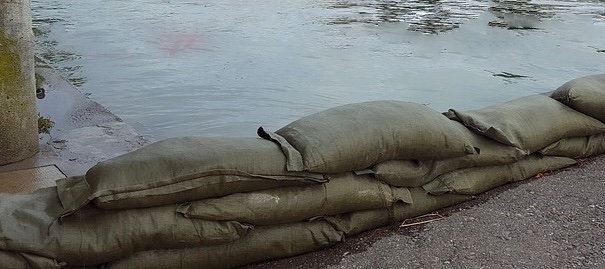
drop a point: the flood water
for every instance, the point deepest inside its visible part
(226, 67)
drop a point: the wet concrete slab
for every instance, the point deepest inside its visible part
(84, 133)
(29, 179)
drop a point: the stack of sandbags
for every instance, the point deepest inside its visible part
(530, 124)
(415, 173)
(261, 244)
(138, 205)
(135, 202)
(400, 143)
(32, 227)
(378, 154)
(226, 202)
(287, 221)
(241, 184)
(185, 169)
(336, 143)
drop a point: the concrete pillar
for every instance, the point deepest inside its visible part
(18, 117)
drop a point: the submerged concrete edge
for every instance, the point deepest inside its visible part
(84, 133)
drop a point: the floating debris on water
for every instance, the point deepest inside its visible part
(598, 49)
(509, 75)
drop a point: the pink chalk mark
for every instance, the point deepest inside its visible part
(176, 42)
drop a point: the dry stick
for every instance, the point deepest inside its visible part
(435, 215)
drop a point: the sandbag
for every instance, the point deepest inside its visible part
(405, 173)
(577, 147)
(93, 236)
(185, 169)
(585, 94)
(529, 123)
(247, 250)
(472, 181)
(415, 173)
(344, 193)
(359, 221)
(16, 260)
(264, 243)
(356, 136)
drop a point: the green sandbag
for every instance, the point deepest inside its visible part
(16, 260)
(356, 222)
(529, 123)
(577, 147)
(472, 181)
(93, 236)
(344, 193)
(185, 169)
(264, 243)
(405, 173)
(585, 94)
(415, 173)
(357, 136)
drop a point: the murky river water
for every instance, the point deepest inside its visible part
(225, 67)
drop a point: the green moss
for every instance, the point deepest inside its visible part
(45, 125)
(9, 59)
(18, 132)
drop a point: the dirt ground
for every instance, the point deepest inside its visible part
(556, 221)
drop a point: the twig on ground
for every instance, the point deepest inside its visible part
(421, 220)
